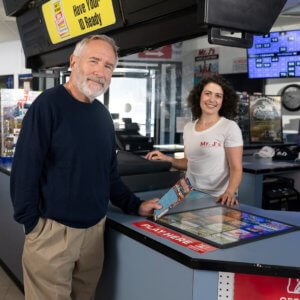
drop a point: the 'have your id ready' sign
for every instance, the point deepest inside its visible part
(66, 19)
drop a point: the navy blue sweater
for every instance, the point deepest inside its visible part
(65, 165)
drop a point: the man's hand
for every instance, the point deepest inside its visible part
(228, 199)
(147, 207)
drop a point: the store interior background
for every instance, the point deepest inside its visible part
(151, 90)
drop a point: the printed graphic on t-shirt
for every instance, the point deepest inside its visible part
(214, 143)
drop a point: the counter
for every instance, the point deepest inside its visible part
(5, 168)
(258, 165)
(255, 169)
(142, 266)
(11, 233)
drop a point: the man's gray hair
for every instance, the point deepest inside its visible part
(102, 37)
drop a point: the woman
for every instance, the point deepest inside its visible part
(213, 143)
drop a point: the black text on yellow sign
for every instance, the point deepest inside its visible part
(87, 22)
(66, 19)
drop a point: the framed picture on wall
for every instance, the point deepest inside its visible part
(265, 119)
(7, 81)
(25, 81)
(206, 63)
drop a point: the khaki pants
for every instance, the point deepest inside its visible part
(62, 263)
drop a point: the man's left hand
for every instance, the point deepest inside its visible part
(147, 207)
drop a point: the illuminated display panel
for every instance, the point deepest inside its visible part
(275, 55)
(224, 227)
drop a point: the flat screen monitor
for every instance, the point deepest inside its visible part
(275, 55)
(224, 227)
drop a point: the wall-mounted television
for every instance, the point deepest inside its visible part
(275, 55)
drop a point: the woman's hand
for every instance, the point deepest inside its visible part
(180, 164)
(157, 155)
(228, 198)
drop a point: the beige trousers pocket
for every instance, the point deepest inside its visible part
(62, 263)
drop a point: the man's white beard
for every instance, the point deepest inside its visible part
(83, 87)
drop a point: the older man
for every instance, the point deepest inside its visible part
(64, 173)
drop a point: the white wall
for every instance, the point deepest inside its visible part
(189, 51)
(12, 60)
(227, 55)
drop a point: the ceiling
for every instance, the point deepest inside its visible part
(290, 16)
(8, 26)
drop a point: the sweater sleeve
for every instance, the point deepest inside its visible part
(31, 150)
(120, 194)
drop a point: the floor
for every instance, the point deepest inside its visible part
(8, 290)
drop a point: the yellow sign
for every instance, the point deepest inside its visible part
(66, 19)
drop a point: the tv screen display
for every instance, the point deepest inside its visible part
(224, 227)
(275, 55)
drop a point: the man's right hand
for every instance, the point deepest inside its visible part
(147, 207)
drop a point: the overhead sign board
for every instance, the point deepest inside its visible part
(67, 19)
(162, 52)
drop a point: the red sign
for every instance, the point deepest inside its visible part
(207, 52)
(162, 52)
(175, 237)
(265, 287)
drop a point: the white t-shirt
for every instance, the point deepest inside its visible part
(208, 168)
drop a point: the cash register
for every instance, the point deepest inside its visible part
(137, 172)
(129, 138)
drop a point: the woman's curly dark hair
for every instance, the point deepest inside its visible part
(230, 98)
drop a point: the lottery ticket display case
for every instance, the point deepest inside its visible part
(14, 103)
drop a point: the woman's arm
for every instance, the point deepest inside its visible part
(234, 157)
(178, 163)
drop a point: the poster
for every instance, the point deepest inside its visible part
(238, 286)
(206, 63)
(13, 106)
(239, 65)
(265, 119)
(6, 81)
(258, 287)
